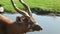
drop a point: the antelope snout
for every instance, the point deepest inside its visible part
(37, 28)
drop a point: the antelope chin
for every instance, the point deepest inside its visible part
(36, 31)
(33, 31)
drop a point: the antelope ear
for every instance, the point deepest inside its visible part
(18, 19)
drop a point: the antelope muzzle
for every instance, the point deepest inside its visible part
(35, 27)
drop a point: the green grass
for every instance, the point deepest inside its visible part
(45, 4)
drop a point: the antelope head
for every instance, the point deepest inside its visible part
(26, 20)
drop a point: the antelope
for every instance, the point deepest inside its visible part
(22, 25)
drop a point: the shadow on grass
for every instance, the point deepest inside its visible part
(40, 11)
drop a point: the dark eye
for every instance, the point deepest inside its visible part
(30, 23)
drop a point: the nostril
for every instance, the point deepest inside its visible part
(41, 29)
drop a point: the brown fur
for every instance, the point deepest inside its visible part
(9, 27)
(20, 26)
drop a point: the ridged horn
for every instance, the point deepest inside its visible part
(19, 10)
(26, 7)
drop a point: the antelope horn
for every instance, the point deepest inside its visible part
(26, 7)
(19, 10)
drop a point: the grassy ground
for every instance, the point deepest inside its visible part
(45, 4)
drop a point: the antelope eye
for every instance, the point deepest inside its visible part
(30, 23)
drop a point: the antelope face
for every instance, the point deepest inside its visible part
(29, 24)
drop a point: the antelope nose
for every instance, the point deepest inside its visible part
(37, 28)
(41, 28)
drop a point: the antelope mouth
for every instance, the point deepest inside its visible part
(36, 28)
